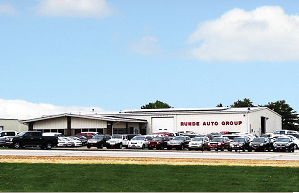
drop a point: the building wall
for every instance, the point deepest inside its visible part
(272, 119)
(78, 123)
(208, 123)
(12, 124)
(57, 123)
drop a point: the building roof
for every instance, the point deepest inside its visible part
(94, 116)
(215, 110)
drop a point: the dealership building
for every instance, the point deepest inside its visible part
(257, 120)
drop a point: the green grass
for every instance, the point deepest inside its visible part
(22, 177)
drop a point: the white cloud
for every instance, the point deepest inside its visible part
(73, 8)
(146, 45)
(20, 109)
(264, 34)
(8, 9)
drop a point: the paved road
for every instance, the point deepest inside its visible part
(153, 154)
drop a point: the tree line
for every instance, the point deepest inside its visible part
(289, 116)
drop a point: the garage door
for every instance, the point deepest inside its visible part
(162, 124)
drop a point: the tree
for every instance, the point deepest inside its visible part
(288, 114)
(156, 105)
(220, 105)
(245, 103)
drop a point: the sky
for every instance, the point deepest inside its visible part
(61, 56)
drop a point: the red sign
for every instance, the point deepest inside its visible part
(211, 123)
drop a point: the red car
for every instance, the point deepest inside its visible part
(87, 135)
(219, 143)
(158, 143)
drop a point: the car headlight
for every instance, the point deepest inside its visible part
(274, 145)
(219, 143)
(261, 144)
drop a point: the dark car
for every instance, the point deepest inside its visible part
(239, 143)
(219, 143)
(260, 144)
(98, 141)
(179, 142)
(284, 144)
(83, 139)
(2, 141)
(158, 143)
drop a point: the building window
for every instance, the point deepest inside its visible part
(1, 128)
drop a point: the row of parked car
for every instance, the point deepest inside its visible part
(213, 141)
(233, 141)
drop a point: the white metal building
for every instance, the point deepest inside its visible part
(256, 120)
(71, 124)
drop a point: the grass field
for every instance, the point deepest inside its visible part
(26, 177)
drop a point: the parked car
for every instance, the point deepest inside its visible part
(239, 143)
(8, 136)
(53, 134)
(74, 142)
(8, 133)
(219, 143)
(179, 142)
(260, 144)
(199, 143)
(284, 144)
(88, 135)
(98, 141)
(83, 139)
(34, 139)
(118, 141)
(2, 141)
(295, 140)
(158, 143)
(62, 142)
(138, 142)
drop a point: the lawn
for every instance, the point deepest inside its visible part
(26, 177)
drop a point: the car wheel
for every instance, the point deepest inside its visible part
(100, 146)
(209, 149)
(222, 148)
(120, 146)
(264, 149)
(249, 150)
(49, 145)
(203, 148)
(182, 147)
(189, 149)
(88, 146)
(295, 146)
(149, 147)
(17, 145)
(143, 146)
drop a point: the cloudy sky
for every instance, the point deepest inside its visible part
(60, 56)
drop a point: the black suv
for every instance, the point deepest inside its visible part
(260, 144)
(284, 144)
(239, 143)
(98, 141)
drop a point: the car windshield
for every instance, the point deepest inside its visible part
(218, 139)
(138, 138)
(198, 139)
(282, 140)
(21, 134)
(258, 140)
(158, 139)
(179, 138)
(98, 137)
(116, 137)
(239, 140)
